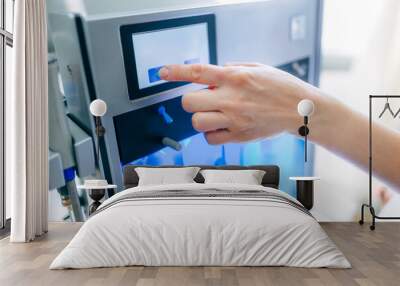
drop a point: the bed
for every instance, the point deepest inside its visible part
(198, 224)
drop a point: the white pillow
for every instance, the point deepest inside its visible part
(248, 177)
(166, 176)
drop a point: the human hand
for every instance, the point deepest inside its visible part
(250, 101)
(244, 101)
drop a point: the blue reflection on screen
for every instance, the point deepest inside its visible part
(153, 74)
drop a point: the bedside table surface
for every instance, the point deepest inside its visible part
(304, 178)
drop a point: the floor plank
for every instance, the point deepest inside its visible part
(375, 257)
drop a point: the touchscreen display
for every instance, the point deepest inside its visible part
(153, 50)
(147, 47)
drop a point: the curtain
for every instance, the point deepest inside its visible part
(371, 40)
(26, 123)
(385, 42)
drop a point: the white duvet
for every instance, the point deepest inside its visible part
(200, 231)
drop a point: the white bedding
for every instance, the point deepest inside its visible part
(200, 231)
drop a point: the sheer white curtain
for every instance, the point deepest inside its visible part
(26, 123)
(387, 43)
(368, 33)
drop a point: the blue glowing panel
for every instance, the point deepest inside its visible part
(285, 151)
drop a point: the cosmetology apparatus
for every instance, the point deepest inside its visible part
(112, 50)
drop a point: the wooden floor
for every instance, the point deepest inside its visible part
(375, 257)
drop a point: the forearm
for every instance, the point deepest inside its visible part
(250, 101)
(344, 131)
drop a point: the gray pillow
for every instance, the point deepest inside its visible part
(247, 177)
(166, 176)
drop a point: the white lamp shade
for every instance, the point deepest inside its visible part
(98, 107)
(305, 107)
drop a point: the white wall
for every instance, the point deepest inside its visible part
(364, 32)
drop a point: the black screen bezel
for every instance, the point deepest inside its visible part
(129, 55)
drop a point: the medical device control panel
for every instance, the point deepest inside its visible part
(115, 53)
(147, 47)
(146, 130)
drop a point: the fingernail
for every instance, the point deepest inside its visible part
(163, 72)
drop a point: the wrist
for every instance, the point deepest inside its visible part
(325, 122)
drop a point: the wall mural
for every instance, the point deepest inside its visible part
(115, 57)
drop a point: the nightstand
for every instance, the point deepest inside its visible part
(305, 190)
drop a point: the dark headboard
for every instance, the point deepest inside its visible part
(271, 177)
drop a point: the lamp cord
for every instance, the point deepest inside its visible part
(305, 147)
(98, 126)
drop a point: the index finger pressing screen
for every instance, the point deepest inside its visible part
(197, 73)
